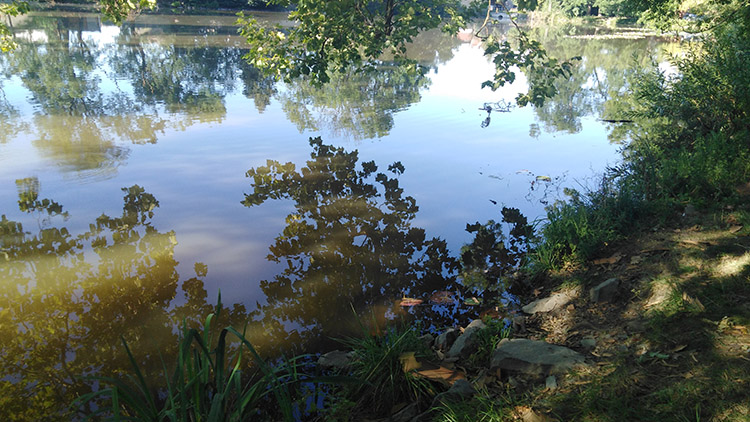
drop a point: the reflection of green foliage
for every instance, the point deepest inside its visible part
(601, 76)
(490, 256)
(28, 199)
(349, 241)
(360, 105)
(10, 123)
(66, 298)
(79, 120)
(258, 87)
(184, 79)
(59, 74)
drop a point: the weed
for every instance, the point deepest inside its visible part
(206, 384)
(487, 339)
(482, 408)
(378, 364)
(576, 229)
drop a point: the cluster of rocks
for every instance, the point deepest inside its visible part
(512, 357)
(518, 355)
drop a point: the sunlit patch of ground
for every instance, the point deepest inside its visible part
(673, 345)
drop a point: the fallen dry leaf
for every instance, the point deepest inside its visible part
(442, 298)
(678, 348)
(528, 414)
(735, 229)
(493, 313)
(408, 301)
(611, 260)
(442, 375)
(409, 362)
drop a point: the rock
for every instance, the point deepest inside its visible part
(466, 343)
(519, 324)
(336, 359)
(461, 388)
(635, 326)
(445, 340)
(605, 291)
(427, 339)
(533, 357)
(406, 414)
(526, 414)
(551, 382)
(588, 343)
(557, 300)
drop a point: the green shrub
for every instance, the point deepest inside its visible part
(481, 408)
(206, 385)
(576, 229)
(379, 364)
(487, 339)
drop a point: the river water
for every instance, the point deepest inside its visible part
(145, 168)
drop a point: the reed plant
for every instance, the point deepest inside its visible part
(383, 365)
(207, 384)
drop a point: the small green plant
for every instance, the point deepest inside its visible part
(487, 340)
(481, 408)
(381, 363)
(578, 228)
(206, 385)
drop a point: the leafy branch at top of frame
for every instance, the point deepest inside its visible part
(334, 36)
(118, 11)
(7, 43)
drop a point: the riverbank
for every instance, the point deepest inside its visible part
(671, 343)
(666, 338)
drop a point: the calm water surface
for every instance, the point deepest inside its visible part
(143, 169)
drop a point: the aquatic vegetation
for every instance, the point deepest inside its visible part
(208, 383)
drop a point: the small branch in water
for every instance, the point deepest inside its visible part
(616, 121)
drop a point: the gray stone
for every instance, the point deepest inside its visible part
(427, 339)
(466, 343)
(519, 324)
(406, 414)
(588, 343)
(336, 359)
(445, 340)
(533, 357)
(477, 323)
(551, 382)
(556, 301)
(605, 291)
(461, 388)
(635, 326)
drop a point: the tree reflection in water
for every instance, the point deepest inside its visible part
(358, 105)
(348, 245)
(66, 299)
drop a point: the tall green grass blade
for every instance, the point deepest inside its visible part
(141, 380)
(278, 389)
